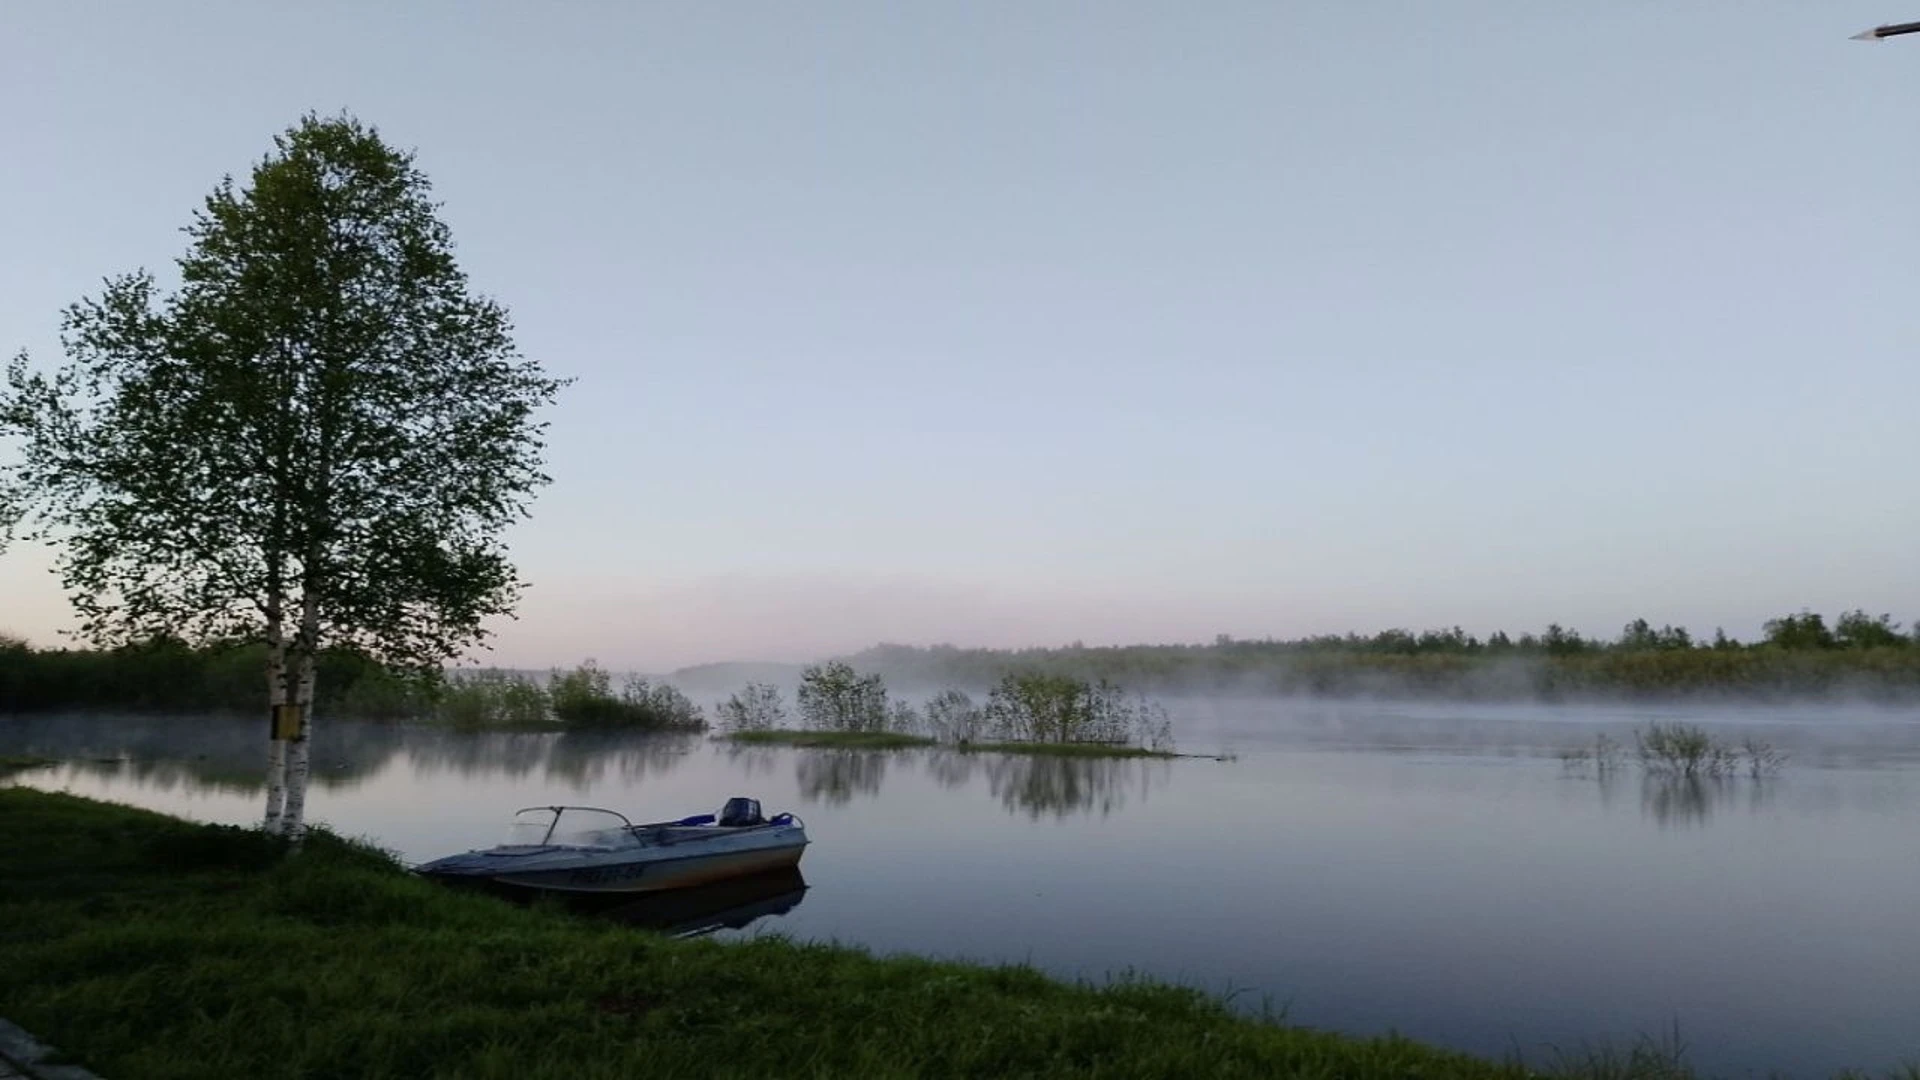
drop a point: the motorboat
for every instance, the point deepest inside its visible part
(589, 849)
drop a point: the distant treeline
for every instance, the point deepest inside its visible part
(1857, 656)
(1801, 655)
(167, 675)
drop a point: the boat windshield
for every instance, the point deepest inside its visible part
(569, 826)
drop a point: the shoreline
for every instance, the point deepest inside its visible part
(204, 951)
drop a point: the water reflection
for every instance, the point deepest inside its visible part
(513, 755)
(1682, 801)
(227, 755)
(583, 759)
(750, 760)
(1043, 786)
(726, 905)
(221, 754)
(578, 760)
(1037, 785)
(224, 755)
(834, 777)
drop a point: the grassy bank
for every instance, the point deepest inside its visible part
(1065, 749)
(144, 946)
(13, 763)
(888, 740)
(839, 740)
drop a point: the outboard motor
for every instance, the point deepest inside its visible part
(741, 811)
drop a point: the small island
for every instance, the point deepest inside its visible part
(1026, 712)
(13, 763)
(893, 740)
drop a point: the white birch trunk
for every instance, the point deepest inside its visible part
(276, 785)
(298, 757)
(276, 747)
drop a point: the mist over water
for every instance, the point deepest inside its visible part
(1430, 868)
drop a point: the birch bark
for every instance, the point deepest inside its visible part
(276, 697)
(298, 748)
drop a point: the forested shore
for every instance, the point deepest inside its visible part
(1799, 657)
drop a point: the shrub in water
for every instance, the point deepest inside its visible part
(1037, 706)
(493, 698)
(584, 697)
(1684, 749)
(952, 717)
(834, 697)
(756, 708)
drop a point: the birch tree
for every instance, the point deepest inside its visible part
(315, 439)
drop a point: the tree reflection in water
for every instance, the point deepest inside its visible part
(752, 761)
(511, 754)
(220, 754)
(950, 769)
(1674, 801)
(836, 776)
(582, 758)
(1046, 786)
(226, 755)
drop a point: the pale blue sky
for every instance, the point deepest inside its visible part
(1022, 323)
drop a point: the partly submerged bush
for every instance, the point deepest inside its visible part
(1034, 706)
(834, 697)
(952, 717)
(1762, 758)
(584, 698)
(492, 698)
(756, 708)
(1684, 749)
(1603, 754)
(658, 705)
(1690, 750)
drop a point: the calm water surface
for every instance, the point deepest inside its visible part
(1423, 869)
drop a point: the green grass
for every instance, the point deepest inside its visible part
(13, 763)
(842, 740)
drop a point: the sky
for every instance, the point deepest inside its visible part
(1010, 324)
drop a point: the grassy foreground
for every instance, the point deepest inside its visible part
(888, 740)
(144, 946)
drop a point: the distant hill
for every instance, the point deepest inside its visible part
(701, 680)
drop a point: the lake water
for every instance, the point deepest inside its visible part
(1432, 870)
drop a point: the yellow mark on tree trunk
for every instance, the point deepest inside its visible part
(285, 721)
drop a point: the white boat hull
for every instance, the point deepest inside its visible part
(684, 872)
(632, 859)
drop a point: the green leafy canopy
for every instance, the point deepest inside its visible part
(322, 413)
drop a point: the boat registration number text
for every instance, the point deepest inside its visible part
(600, 875)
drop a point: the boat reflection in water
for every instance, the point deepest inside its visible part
(733, 904)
